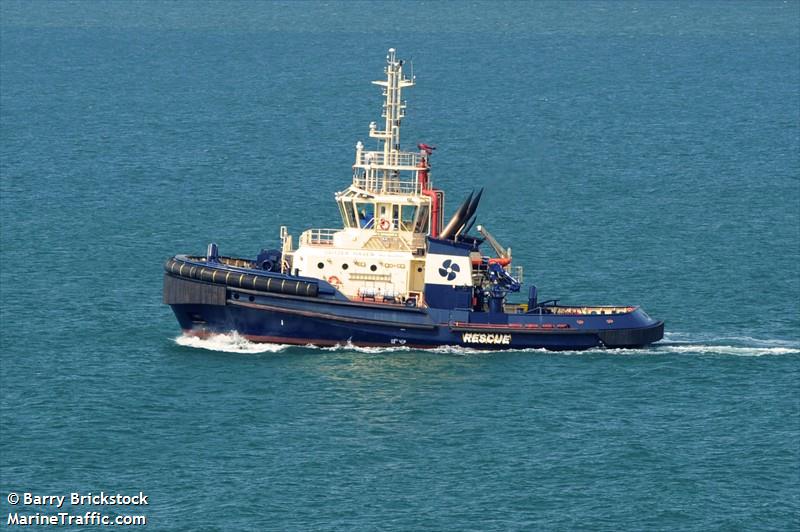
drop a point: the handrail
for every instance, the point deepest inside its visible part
(318, 237)
(390, 185)
(394, 159)
(580, 311)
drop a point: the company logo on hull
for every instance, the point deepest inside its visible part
(480, 338)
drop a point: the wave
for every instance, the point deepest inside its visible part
(229, 343)
(673, 337)
(694, 343)
(673, 343)
(234, 343)
(751, 351)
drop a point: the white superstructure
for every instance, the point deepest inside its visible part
(386, 212)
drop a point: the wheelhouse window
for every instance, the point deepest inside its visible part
(407, 216)
(348, 214)
(421, 224)
(365, 214)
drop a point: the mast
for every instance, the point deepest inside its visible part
(393, 108)
(379, 171)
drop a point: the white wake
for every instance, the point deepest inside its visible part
(674, 343)
(229, 343)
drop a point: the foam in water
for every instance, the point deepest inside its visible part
(229, 343)
(745, 351)
(676, 343)
(350, 347)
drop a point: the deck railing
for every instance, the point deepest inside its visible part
(387, 173)
(318, 237)
(582, 311)
(389, 185)
(401, 160)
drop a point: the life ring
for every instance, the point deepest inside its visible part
(335, 281)
(385, 225)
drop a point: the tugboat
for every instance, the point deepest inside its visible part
(395, 274)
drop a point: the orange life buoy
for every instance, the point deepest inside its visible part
(385, 225)
(335, 281)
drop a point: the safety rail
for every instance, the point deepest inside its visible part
(318, 237)
(387, 185)
(515, 308)
(591, 311)
(580, 311)
(228, 261)
(395, 160)
(518, 273)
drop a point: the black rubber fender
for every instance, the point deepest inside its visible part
(223, 276)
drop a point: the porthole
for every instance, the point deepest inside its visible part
(345, 266)
(235, 296)
(419, 270)
(251, 298)
(320, 265)
(373, 268)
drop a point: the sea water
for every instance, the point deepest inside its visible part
(632, 153)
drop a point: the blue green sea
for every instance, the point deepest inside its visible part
(632, 152)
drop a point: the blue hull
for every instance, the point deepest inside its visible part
(204, 308)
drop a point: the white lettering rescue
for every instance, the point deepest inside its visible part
(480, 338)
